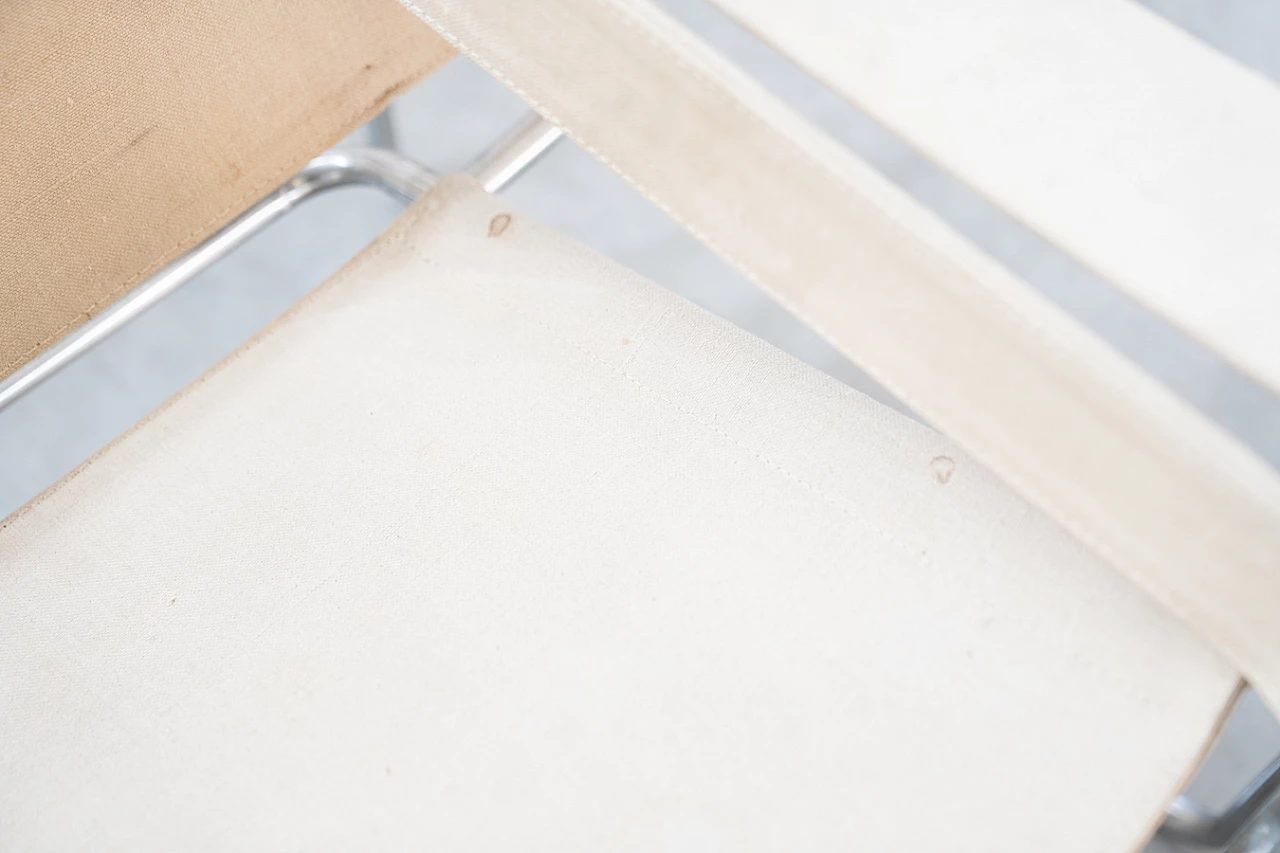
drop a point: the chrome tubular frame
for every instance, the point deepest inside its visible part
(1192, 826)
(378, 167)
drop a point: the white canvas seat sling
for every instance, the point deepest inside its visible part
(491, 543)
(1169, 499)
(573, 553)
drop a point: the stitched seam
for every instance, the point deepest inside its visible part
(1071, 521)
(746, 268)
(1121, 387)
(909, 235)
(728, 99)
(639, 334)
(764, 460)
(731, 101)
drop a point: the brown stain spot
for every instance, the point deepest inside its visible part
(943, 467)
(499, 224)
(138, 137)
(368, 66)
(626, 342)
(171, 601)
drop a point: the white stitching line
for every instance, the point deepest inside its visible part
(759, 456)
(872, 366)
(1017, 315)
(1071, 521)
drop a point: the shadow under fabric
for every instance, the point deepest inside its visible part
(575, 565)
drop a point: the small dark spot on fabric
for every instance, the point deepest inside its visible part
(499, 224)
(172, 600)
(368, 67)
(138, 138)
(626, 342)
(943, 467)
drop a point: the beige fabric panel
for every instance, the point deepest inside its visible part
(131, 131)
(1131, 144)
(492, 544)
(1164, 495)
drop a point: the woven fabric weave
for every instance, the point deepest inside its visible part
(1163, 494)
(132, 131)
(492, 544)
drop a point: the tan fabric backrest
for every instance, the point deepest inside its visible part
(131, 131)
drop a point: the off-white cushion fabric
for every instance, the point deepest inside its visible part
(1147, 482)
(1135, 146)
(493, 545)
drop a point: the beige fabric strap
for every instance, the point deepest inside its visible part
(1161, 493)
(493, 545)
(131, 131)
(1126, 141)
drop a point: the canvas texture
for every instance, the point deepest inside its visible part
(1164, 495)
(1137, 148)
(492, 544)
(132, 131)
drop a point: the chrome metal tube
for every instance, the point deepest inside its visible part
(377, 167)
(1192, 826)
(341, 167)
(514, 153)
